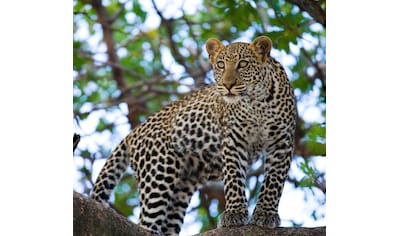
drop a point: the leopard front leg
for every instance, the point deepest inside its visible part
(277, 164)
(234, 173)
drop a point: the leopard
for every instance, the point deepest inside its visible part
(213, 134)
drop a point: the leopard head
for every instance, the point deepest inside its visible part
(239, 68)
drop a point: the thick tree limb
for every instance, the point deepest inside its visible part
(92, 218)
(260, 231)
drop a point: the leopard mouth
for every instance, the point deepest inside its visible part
(231, 92)
(235, 94)
(228, 94)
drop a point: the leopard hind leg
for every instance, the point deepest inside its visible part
(177, 208)
(158, 191)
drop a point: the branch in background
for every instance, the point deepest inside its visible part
(313, 8)
(199, 74)
(301, 147)
(156, 79)
(76, 139)
(279, 18)
(262, 13)
(316, 183)
(320, 68)
(207, 193)
(117, 72)
(117, 14)
(203, 66)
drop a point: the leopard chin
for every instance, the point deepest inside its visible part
(231, 98)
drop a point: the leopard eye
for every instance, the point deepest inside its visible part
(242, 64)
(220, 64)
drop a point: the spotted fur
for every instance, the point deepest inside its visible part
(213, 134)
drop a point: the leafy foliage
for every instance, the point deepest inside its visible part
(158, 57)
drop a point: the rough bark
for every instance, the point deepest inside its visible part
(92, 218)
(261, 231)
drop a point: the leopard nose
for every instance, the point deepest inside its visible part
(229, 85)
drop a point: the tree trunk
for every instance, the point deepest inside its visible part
(92, 218)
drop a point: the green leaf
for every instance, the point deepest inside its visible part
(306, 182)
(94, 97)
(317, 148)
(139, 11)
(101, 124)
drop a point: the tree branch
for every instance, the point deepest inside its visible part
(313, 8)
(76, 139)
(117, 72)
(261, 231)
(197, 74)
(117, 14)
(92, 218)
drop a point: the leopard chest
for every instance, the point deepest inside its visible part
(260, 124)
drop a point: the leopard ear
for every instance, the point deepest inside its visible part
(261, 46)
(213, 47)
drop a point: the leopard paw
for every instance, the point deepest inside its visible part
(270, 220)
(103, 202)
(232, 219)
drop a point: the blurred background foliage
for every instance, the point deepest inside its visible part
(132, 57)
